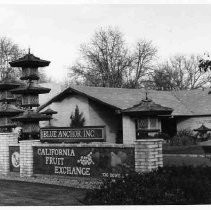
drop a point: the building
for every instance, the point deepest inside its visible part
(106, 107)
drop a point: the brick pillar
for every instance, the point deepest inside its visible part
(26, 157)
(5, 140)
(148, 154)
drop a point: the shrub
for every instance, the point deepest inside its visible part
(168, 185)
(77, 119)
(163, 136)
(185, 132)
(183, 137)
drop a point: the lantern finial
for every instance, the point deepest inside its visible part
(146, 95)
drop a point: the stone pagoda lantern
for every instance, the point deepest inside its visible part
(146, 116)
(49, 112)
(202, 132)
(30, 94)
(7, 108)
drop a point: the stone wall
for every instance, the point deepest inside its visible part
(26, 157)
(147, 153)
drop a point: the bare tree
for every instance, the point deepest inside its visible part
(8, 51)
(180, 73)
(43, 76)
(104, 60)
(143, 57)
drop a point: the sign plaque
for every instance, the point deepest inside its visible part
(14, 152)
(83, 161)
(72, 135)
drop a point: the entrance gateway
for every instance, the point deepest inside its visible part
(51, 150)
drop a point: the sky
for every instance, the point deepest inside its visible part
(55, 32)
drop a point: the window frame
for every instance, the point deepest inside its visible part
(148, 123)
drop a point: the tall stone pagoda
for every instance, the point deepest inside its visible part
(30, 94)
(7, 106)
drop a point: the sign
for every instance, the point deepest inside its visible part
(71, 135)
(14, 153)
(83, 161)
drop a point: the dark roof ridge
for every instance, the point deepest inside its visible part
(107, 87)
(121, 88)
(197, 89)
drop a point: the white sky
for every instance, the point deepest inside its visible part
(55, 32)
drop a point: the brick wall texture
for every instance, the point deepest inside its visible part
(26, 157)
(148, 155)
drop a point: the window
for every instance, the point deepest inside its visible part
(153, 122)
(142, 123)
(147, 123)
(146, 127)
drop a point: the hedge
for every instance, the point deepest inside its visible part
(167, 185)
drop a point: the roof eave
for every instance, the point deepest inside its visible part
(67, 91)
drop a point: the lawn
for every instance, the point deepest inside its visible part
(15, 193)
(179, 161)
(192, 149)
(169, 160)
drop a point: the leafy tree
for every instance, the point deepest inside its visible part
(162, 80)
(77, 119)
(180, 73)
(9, 51)
(205, 63)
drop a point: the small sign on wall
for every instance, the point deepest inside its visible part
(72, 135)
(14, 152)
(83, 161)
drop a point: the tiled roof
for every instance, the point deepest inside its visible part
(30, 88)
(192, 102)
(31, 116)
(49, 111)
(29, 60)
(147, 106)
(197, 101)
(9, 109)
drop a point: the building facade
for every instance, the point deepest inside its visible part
(106, 107)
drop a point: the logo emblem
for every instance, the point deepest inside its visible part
(15, 159)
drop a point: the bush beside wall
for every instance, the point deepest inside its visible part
(168, 185)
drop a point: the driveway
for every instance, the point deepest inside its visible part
(14, 193)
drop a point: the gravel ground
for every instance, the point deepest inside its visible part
(86, 183)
